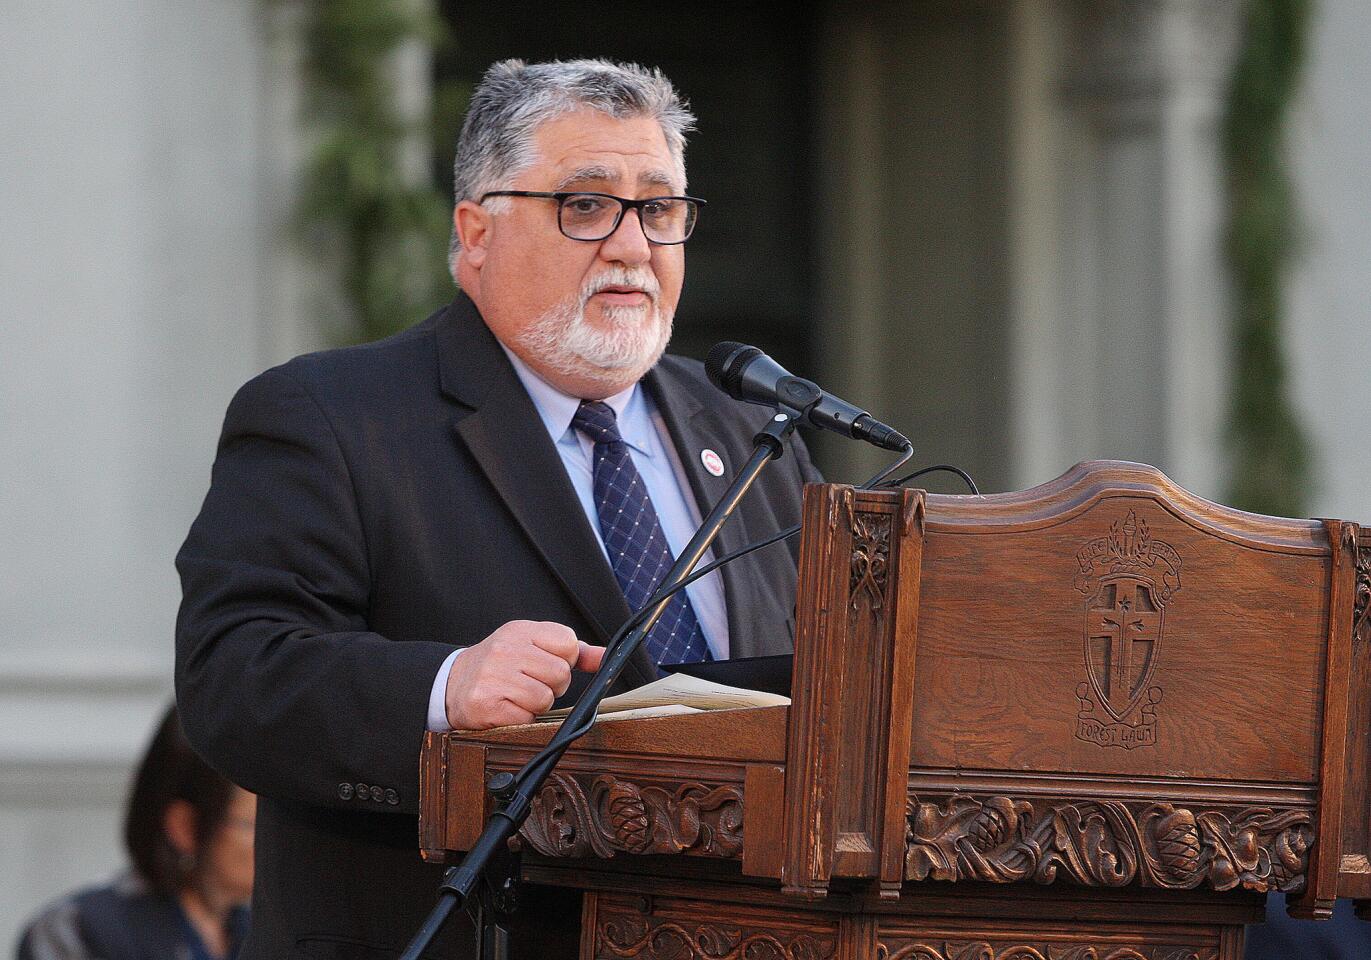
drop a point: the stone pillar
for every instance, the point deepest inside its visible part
(1126, 357)
(912, 242)
(145, 215)
(1328, 321)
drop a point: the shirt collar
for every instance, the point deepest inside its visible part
(557, 409)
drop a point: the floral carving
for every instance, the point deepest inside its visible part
(870, 557)
(981, 950)
(611, 816)
(1108, 843)
(625, 935)
(1361, 605)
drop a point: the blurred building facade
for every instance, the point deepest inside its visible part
(996, 224)
(144, 183)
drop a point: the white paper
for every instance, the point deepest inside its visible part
(679, 689)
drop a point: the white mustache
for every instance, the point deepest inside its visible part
(643, 280)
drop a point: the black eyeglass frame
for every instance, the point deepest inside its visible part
(625, 205)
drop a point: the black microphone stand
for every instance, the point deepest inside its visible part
(517, 793)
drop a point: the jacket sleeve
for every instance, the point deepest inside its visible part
(280, 684)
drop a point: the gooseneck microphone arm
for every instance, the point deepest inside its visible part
(516, 793)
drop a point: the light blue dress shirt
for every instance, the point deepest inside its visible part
(658, 462)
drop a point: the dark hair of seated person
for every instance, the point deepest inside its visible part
(172, 771)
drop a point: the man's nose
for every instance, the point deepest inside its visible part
(628, 243)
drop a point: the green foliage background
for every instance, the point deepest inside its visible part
(359, 210)
(1270, 455)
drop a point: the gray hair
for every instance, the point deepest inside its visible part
(514, 98)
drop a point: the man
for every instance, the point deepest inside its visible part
(431, 531)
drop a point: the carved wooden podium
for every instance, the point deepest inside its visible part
(1094, 720)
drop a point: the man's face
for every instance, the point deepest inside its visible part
(589, 317)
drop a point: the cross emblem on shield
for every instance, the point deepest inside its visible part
(1123, 629)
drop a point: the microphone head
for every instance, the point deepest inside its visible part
(725, 363)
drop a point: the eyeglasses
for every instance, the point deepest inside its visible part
(594, 216)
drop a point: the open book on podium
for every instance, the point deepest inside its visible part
(1100, 718)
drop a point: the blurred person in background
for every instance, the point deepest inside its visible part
(189, 834)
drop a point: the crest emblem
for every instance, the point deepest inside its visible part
(1128, 578)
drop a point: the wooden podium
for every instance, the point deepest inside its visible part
(1095, 720)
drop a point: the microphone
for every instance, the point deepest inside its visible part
(745, 373)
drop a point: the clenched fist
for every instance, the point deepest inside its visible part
(515, 674)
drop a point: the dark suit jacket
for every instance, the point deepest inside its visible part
(371, 507)
(1344, 937)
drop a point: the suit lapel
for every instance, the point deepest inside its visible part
(507, 438)
(694, 428)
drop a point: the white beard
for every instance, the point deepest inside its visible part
(633, 339)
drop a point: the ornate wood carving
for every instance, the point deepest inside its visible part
(870, 558)
(1108, 843)
(605, 815)
(649, 938)
(1361, 604)
(939, 644)
(1128, 578)
(982, 950)
(848, 726)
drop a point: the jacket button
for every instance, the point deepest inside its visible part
(363, 791)
(344, 791)
(392, 798)
(377, 794)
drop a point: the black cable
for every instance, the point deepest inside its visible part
(905, 454)
(942, 467)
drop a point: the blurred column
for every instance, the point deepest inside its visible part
(1121, 333)
(852, 195)
(912, 231)
(1328, 324)
(144, 189)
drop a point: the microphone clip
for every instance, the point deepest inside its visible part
(781, 425)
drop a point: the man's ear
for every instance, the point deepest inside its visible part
(473, 224)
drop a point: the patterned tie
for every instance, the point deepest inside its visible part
(638, 550)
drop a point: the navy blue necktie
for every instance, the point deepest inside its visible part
(638, 550)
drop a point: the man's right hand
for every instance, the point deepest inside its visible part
(514, 674)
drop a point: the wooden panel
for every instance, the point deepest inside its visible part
(1317, 901)
(1112, 624)
(858, 935)
(910, 939)
(590, 904)
(1097, 842)
(683, 929)
(899, 693)
(825, 549)
(1355, 879)
(763, 837)
(755, 735)
(432, 798)
(468, 803)
(847, 744)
